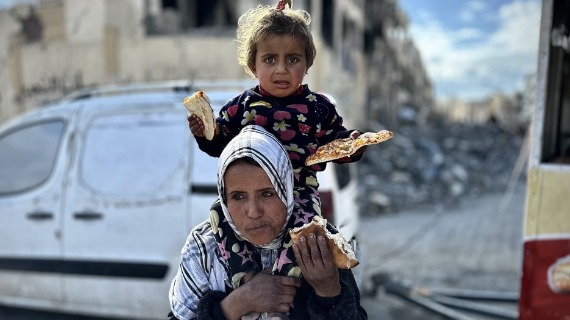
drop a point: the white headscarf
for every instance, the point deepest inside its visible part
(263, 147)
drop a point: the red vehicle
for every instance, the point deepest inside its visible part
(545, 287)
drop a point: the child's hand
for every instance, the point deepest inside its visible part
(196, 125)
(355, 134)
(316, 262)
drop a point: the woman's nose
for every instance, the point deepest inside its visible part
(254, 210)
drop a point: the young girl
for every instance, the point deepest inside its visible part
(276, 47)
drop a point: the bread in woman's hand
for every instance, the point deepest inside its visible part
(341, 250)
(199, 104)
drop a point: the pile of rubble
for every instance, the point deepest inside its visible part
(438, 163)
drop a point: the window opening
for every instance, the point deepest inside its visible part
(28, 155)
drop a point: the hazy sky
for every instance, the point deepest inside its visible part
(474, 47)
(8, 3)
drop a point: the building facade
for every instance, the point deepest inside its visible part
(365, 59)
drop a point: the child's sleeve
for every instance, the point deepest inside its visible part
(332, 125)
(212, 147)
(337, 131)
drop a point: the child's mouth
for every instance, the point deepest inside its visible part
(281, 84)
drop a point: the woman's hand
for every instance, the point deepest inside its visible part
(270, 292)
(196, 125)
(262, 292)
(315, 260)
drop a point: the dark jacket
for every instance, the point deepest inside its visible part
(306, 306)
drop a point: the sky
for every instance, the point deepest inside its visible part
(9, 3)
(473, 48)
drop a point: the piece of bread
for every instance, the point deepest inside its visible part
(341, 250)
(344, 147)
(199, 104)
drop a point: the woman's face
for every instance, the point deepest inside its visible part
(280, 64)
(255, 207)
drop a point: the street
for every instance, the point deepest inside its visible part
(475, 246)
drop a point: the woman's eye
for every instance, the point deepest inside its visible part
(268, 194)
(237, 196)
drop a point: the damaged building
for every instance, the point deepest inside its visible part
(366, 59)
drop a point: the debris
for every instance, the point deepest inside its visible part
(437, 163)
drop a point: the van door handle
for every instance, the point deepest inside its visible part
(88, 215)
(40, 215)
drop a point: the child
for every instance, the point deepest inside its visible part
(275, 45)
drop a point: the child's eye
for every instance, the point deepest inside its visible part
(270, 60)
(294, 59)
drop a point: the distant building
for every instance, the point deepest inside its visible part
(512, 112)
(397, 76)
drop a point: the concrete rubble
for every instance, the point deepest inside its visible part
(437, 162)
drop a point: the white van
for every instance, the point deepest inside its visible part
(99, 191)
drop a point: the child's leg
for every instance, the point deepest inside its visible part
(309, 203)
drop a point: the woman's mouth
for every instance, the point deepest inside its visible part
(256, 227)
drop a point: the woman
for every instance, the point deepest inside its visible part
(241, 263)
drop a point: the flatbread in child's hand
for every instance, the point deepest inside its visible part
(199, 104)
(345, 147)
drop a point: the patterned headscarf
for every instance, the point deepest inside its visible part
(241, 255)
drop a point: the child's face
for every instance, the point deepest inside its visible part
(280, 64)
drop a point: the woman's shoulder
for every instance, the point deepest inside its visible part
(201, 236)
(201, 248)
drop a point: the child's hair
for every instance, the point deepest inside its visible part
(263, 21)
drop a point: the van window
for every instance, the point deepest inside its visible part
(133, 154)
(28, 155)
